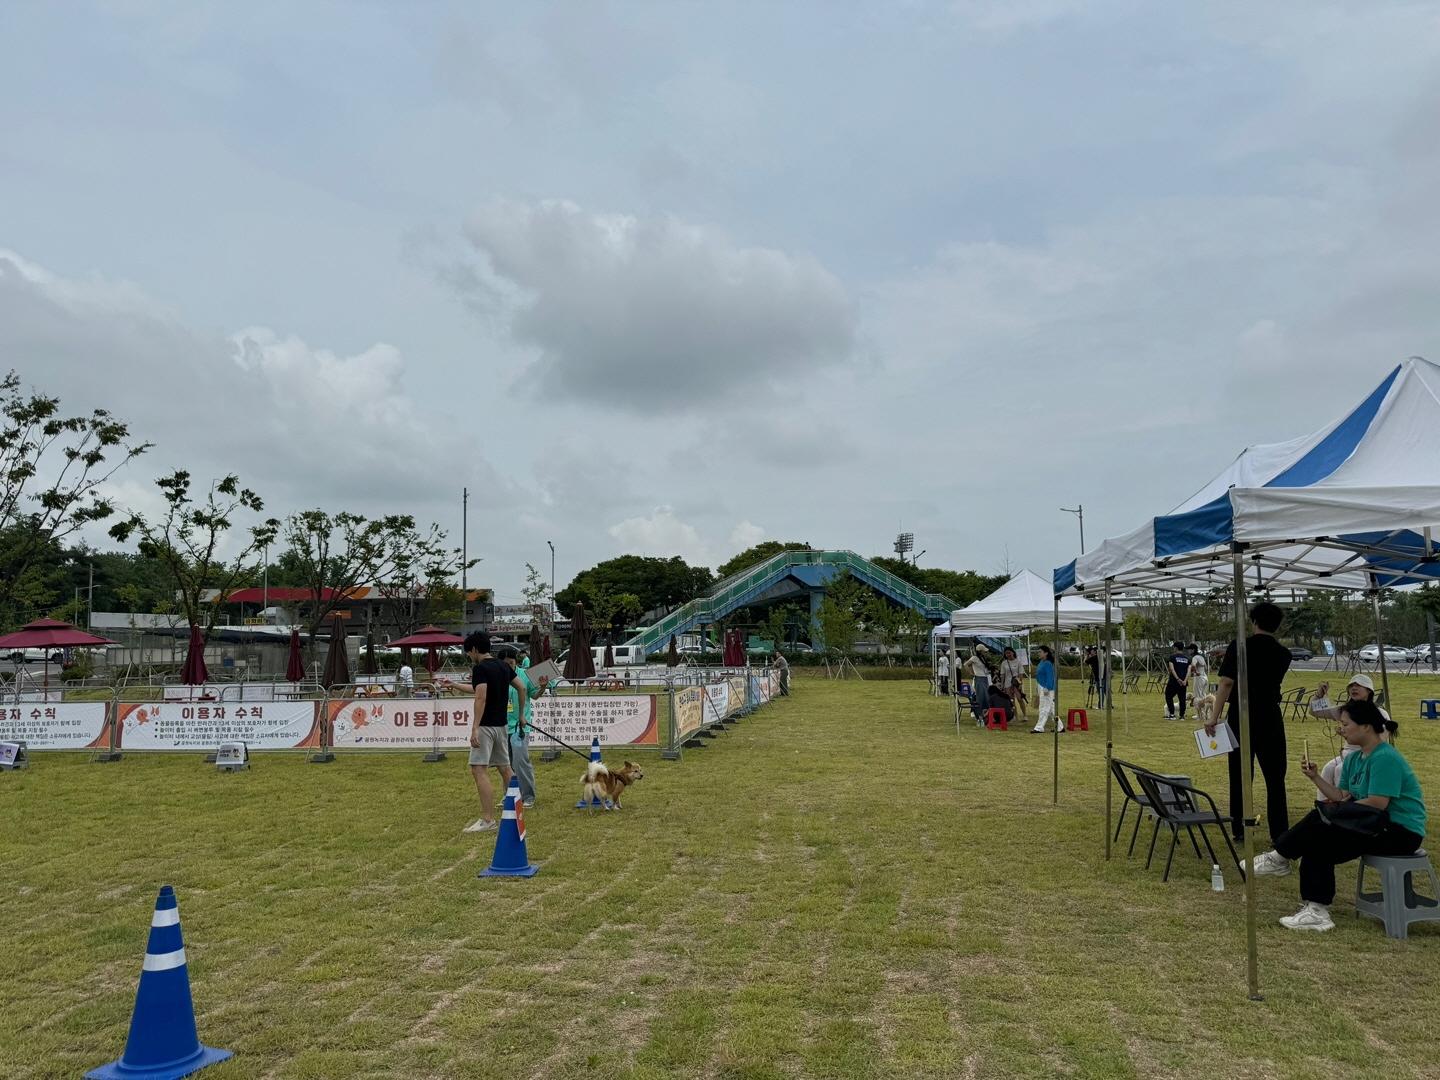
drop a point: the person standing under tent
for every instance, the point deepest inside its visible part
(405, 681)
(1376, 777)
(492, 679)
(1199, 673)
(1012, 680)
(1092, 662)
(1177, 666)
(1266, 662)
(942, 668)
(1045, 675)
(517, 724)
(979, 683)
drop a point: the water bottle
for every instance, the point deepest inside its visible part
(1217, 879)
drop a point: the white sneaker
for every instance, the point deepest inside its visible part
(1269, 863)
(528, 803)
(479, 826)
(1309, 917)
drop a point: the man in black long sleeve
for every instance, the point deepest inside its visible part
(1267, 661)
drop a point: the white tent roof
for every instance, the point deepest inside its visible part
(1026, 600)
(1350, 505)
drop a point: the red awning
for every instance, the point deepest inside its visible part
(50, 634)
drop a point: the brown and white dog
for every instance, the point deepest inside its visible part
(608, 785)
(1204, 708)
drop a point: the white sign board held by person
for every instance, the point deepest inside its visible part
(1217, 745)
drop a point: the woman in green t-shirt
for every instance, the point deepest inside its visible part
(1377, 776)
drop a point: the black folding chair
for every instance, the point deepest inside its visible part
(1176, 804)
(1139, 798)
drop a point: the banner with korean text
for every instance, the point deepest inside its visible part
(174, 725)
(617, 719)
(400, 725)
(689, 710)
(717, 702)
(70, 725)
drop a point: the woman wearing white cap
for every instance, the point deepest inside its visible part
(1360, 688)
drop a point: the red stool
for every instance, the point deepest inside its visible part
(1084, 720)
(996, 718)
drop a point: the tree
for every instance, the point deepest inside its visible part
(189, 539)
(52, 468)
(419, 588)
(657, 584)
(755, 555)
(840, 612)
(536, 588)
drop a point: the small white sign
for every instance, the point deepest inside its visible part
(1217, 745)
(231, 755)
(12, 755)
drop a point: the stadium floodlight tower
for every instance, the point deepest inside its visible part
(904, 543)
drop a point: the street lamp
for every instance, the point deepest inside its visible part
(554, 611)
(1079, 511)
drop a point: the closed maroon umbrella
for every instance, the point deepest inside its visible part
(579, 665)
(672, 655)
(194, 673)
(609, 657)
(432, 660)
(535, 643)
(544, 647)
(337, 663)
(295, 666)
(368, 664)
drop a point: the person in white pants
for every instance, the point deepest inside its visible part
(1045, 680)
(1199, 673)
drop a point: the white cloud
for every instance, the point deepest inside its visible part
(634, 312)
(662, 533)
(746, 535)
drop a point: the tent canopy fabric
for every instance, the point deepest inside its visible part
(1349, 506)
(427, 637)
(1023, 601)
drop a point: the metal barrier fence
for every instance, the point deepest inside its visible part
(667, 714)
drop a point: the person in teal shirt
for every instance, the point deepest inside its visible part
(1377, 776)
(517, 724)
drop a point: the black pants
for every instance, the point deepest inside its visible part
(1173, 688)
(1267, 750)
(944, 685)
(1320, 848)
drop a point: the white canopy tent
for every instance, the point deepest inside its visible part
(1024, 601)
(1352, 506)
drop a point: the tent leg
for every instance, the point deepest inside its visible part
(1109, 703)
(1247, 774)
(1380, 644)
(1055, 659)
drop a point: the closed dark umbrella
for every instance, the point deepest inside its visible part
(194, 673)
(432, 660)
(370, 665)
(609, 657)
(672, 655)
(579, 665)
(535, 643)
(337, 664)
(544, 648)
(295, 666)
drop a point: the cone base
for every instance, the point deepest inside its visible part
(118, 1070)
(523, 871)
(596, 803)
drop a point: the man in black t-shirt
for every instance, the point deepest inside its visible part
(489, 743)
(1176, 668)
(1266, 662)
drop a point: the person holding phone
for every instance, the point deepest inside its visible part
(1376, 776)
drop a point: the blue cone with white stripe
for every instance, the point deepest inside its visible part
(594, 758)
(163, 1044)
(510, 858)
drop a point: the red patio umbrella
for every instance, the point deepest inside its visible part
(295, 666)
(50, 634)
(194, 673)
(428, 637)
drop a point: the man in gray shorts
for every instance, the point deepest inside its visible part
(489, 743)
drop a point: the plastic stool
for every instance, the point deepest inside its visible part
(1084, 720)
(996, 718)
(1397, 905)
(1430, 708)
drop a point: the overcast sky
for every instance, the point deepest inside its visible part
(673, 278)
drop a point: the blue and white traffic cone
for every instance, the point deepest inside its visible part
(510, 858)
(594, 760)
(162, 1044)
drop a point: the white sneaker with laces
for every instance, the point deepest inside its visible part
(1309, 917)
(1269, 863)
(480, 825)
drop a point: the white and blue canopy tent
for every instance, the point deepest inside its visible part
(1352, 506)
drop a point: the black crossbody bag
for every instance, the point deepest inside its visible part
(1354, 817)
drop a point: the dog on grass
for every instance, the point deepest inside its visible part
(1204, 708)
(608, 785)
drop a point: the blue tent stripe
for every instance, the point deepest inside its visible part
(1332, 451)
(1065, 577)
(1211, 524)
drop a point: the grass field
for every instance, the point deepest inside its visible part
(838, 887)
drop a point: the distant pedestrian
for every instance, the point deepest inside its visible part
(942, 668)
(783, 666)
(979, 683)
(405, 681)
(492, 680)
(1012, 680)
(1092, 664)
(1177, 667)
(1199, 673)
(1045, 676)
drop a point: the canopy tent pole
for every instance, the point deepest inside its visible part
(1380, 645)
(954, 676)
(1247, 775)
(1055, 660)
(1124, 674)
(1109, 703)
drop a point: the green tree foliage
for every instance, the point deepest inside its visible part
(652, 582)
(962, 586)
(756, 555)
(845, 605)
(52, 468)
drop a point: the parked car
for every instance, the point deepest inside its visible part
(1394, 654)
(39, 656)
(1421, 652)
(1299, 652)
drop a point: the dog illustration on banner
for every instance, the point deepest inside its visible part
(608, 785)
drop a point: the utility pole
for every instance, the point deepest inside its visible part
(1079, 511)
(553, 610)
(264, 590)
(465, 559)
(90, 601)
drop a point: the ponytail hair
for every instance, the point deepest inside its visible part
(1366, 714)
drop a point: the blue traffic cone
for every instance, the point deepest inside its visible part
(594, 759)
(162, 1044)
(510, 858)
